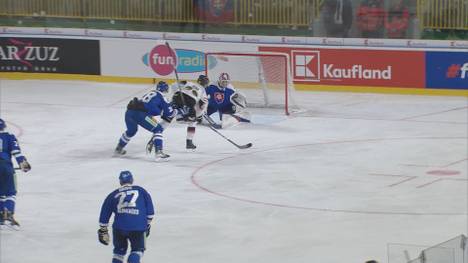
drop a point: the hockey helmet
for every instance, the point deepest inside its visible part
(223, 80)
(162, 87)
(125, 177)
(2, 125)
(203, 80)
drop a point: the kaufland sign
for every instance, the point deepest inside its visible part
(355, 67)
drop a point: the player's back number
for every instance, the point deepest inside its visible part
(127, 199)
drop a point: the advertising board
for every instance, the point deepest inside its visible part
(355, 67)
(152, 59)
(447, 70)
(49, 55)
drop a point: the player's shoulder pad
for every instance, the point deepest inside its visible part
(137, 187)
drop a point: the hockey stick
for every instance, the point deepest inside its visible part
(212, 122)
(149, 145)
(240, 119)
(174, 66)
(245, 146)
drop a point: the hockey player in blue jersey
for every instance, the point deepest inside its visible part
(224, 99)
(133, 212)
(142, 112)
(9, 147)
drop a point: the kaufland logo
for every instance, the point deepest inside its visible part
(457, 71)
(306, 65)
(163, 60)
(330, 71)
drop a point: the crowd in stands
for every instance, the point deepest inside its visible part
(371, 18)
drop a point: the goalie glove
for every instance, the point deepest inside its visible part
(103, 235)
(239, 100)
(25, 166)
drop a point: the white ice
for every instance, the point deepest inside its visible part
(357, 173)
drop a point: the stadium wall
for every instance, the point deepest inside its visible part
(324, 64)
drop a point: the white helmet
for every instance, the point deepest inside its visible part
(224, 80)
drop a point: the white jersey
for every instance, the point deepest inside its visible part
(195, 91)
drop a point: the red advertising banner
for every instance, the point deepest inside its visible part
(355, 67)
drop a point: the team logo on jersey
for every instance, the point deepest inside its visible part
(219, 97)
(163, 60)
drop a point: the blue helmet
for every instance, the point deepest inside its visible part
(2, 125)
(162, 87)
(125, 177)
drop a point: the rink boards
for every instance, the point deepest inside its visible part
(404, 70)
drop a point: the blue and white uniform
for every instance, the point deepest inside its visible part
(219, 99)
(133, 211)
(9, 148)
(141, 112)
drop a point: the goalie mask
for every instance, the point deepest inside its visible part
(224, 80)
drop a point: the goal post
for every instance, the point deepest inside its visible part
(265, 78)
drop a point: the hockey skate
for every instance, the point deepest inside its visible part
(189, 145)
(9, 220)
(119, 150)
(161, 156)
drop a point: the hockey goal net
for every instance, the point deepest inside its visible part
(264, 78)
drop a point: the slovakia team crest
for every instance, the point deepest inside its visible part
(217, 7)
(219, 97)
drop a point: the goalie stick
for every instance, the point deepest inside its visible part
(245, 146)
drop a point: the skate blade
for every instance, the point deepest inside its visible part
(116, 155)
(161, 160)
(7, 226)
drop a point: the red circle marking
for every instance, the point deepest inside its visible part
(195, 182)
(443, 172)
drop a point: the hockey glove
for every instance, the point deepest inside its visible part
(148, 228)
(103, 235)
(25, 166)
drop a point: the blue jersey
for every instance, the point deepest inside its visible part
(9, 147)
(219, 98)
(132, 207)
(156, 104)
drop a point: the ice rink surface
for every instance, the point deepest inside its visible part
(355, 174)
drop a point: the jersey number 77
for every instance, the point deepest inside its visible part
(133, 194)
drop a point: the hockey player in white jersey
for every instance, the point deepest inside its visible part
(191, 98)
